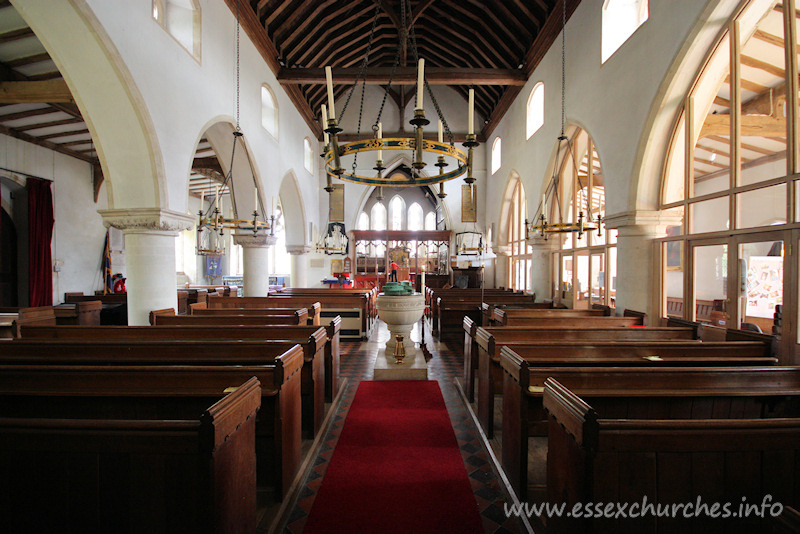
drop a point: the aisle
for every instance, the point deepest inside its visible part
(397, 467)
(357, 359)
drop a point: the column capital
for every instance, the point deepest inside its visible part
(296, 250)
(650, 223)
(147, 220)
(249, 240)
(539, 242)
(503, 250)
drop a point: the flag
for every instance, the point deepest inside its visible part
(108, 286)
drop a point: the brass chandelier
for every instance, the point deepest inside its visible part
(334, 151)
(540, 224)
(211, 223)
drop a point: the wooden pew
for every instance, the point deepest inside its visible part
(177, 473)
(269, 317)
(80, 313)
(313, 307)
(487, 308)
(596, 456)
(449, 311)
(13, 318)
(313, 315)
(370, 293)
(527, 317)
(210, 331)
(610, 351)
(353, 309)
(536, 333)
(114, 310)
(524, 416)
(788, 522)
(183, 352)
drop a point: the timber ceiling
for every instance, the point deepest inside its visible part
(489, 45)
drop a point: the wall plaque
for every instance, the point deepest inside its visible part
(469, 211)
(337, 203)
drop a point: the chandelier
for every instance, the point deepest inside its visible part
(446, 154)
(211, 225)
(584, 223)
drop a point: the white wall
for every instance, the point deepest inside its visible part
(78, 233)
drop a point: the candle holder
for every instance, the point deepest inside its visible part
(441, 163)
(332, 130)
(418, 121)
(255, 223)
(470, 143)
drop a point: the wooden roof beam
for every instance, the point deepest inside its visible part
(15, 35)
(35, 92)
(407, 76)
(46, 144)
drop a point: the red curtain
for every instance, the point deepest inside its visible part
(40, 233)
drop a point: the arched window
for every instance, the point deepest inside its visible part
(308, 155)
(620, 19)
(269, 111)
(377, 217)
(496, 149)
(181, 19)
(729, 196)
(535, 110)
(415, 217)
(587, 265)
(397, 207)
(520, 255)
(430, 221)
(362, 224)
(363, 221)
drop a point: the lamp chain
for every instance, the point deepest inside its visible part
(237, 66)
(563, 63)
(363, 68)
(403, 37)
(427, 85)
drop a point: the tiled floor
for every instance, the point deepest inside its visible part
(357, 360)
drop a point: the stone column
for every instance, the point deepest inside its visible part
(637, 271)
(255, 262)
(149, 257)
(299, 267)
(501, 265)
(542, 266)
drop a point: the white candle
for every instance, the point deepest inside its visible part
(544, 200)
(470, 117)
(420, 82)
(440, 131)
(216, 198)
(329, 78)
(273, 205)
(380, 136)
(255, 199)
(202, 199)
(324, 120)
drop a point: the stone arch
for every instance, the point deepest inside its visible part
(104, 91)
(391, 165)
(505, 206)
(294, 213)
(653, 145)
(219, 133)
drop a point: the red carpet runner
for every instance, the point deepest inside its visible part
(396, 467)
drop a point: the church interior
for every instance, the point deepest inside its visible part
(400, 266)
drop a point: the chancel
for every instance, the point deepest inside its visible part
(400, 266)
